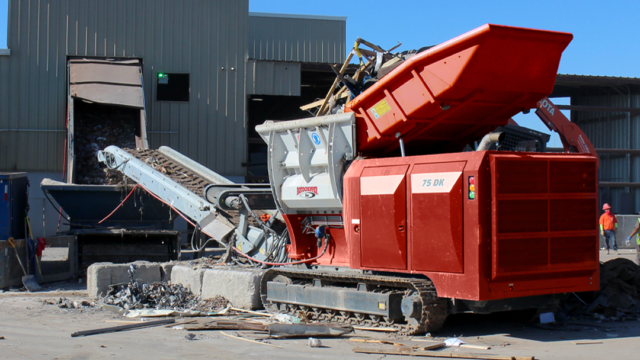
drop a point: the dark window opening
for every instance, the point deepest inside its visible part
(172, 87)
(315, 83)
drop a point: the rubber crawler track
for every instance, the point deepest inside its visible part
(434, 309)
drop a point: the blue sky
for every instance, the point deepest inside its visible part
(606, 33)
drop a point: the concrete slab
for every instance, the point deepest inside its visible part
(240, 286)
(188, 277)
(101, 275)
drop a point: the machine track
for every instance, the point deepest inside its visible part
(434, 309)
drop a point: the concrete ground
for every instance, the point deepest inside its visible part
(36, 330)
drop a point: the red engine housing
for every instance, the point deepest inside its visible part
(530, 228)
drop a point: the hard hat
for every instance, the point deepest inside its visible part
(606, 207)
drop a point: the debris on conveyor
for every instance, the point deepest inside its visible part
(97, 127)
(175, 172)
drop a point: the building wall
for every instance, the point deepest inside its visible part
(314, 39)
(273, 78)
(205, 38)
(611, 130)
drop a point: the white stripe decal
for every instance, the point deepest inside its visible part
(380, 185)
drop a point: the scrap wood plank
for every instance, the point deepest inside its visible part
(249, 340)
(440, 354)
(587, 342)
(375, 329)
(227, 325)
(335, 83)
(251, 312)
(182, 323)
(376, 341)
(339, 95)
(479, 347)
(142, 324)
(469, 346)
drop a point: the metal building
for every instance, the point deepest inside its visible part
(227, 54)
(607, 109)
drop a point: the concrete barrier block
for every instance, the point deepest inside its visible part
(188, 277)
(165, 270)
(240, 286)
(101, 275)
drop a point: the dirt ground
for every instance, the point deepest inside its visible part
(33, 329)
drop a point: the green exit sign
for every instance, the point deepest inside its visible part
(163, 78)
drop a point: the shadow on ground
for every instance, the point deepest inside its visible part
(524, 325)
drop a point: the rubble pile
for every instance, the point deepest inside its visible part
(151, 296)
(619, 287)
(96, 127)
(158, 296)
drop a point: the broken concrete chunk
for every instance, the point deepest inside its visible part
(188, 277)
(101, 275)
(240, 286)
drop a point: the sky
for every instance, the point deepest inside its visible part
(606, 33)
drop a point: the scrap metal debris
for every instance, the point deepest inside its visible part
(97, 127)
(159, 296)
(64, 303)
(155, 296)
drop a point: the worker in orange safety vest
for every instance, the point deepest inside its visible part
(608, 227)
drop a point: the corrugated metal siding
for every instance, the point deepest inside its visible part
(205, 38)
(613, 130)
(273, 78)
(302, 40)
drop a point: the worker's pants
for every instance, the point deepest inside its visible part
(610, 240)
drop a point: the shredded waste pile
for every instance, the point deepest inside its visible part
(96, 127)
(159, 296)
(619, 287)
(618, 298)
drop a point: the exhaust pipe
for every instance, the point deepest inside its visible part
(488, 140)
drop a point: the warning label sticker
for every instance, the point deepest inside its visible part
(381, 108)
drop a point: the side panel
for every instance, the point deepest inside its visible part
(304, 245)
(384, 217)
(436, 217)
(544, 217)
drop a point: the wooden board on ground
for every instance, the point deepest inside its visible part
(381, 329)
(438, 354)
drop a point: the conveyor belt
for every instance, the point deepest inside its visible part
(185, 177)
(174, 171)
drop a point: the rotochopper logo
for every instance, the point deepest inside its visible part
(307, 191)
